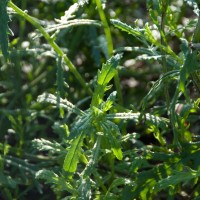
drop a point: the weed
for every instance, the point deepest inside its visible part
(68, 133)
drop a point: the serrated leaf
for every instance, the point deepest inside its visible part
(46, 145)
(108, 70)
(116, 148)
(112, 132)
(71, 23)
(69, 14)
(109, 102)
(152, 119)
(72, 157)
(85, 192)
(104, 77)
(52, 178)
(176, 178)
(94, 158)
(47, 175)
(63, 103)
(4, 30)
(83, 124)
(145, 36)
(138, 33)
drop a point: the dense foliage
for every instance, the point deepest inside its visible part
(99, 99)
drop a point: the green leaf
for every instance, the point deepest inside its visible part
(108, 70)
(116, 148)
(104, 77)
(7, 181)
(63, 103)
(176, 178)
(154, 10)
(138, 33)
(52, 178)
(109, 102)
(4, 30)
(191, 65)
(145, 36)
(46, 145)
(72, 157)
(94, 158)
(85, 192)
(119, 182)
(83, 124)
(161, 122)
(112, 132)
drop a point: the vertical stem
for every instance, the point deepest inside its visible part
(196, 39)
(22, 23)
(163, 41)
(106, 27)
(110, 46)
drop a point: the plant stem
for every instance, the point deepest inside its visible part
(110, 47)
(196, 39)
(51, 41)
(164, 63)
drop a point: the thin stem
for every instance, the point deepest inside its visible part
(106, 27)
(196, 39)
(56, 48)
(164, 62)
(110, 47)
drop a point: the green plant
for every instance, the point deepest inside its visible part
(100, 146)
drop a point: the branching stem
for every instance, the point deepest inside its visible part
(51, 41)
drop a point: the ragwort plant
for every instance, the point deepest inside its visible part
(95, 156)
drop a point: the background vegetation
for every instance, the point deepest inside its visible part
(99, 99)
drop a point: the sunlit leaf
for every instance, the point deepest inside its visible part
(72, 157)
(104, 77)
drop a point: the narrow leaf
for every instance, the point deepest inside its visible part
(138, 33)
